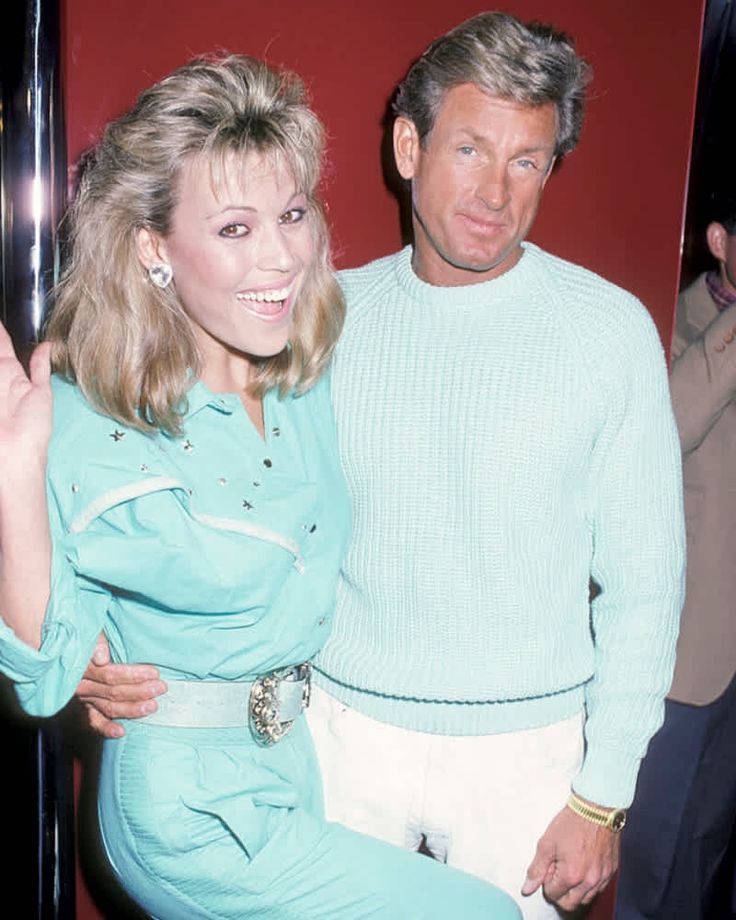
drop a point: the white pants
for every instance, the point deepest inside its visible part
(479, 803)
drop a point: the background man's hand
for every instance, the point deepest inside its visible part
(117, 691)
(574, 862)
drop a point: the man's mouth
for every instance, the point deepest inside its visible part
(482, 224)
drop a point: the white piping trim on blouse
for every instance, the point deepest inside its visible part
(121, 494)
(254, 530)
(161, 483)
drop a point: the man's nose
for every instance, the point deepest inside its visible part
(493, 186)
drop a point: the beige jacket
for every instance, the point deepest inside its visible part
(703, 381)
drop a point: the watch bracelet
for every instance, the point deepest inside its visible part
(594, 813)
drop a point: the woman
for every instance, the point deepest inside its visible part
(197, 510)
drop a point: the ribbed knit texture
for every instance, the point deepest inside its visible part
(503, 442)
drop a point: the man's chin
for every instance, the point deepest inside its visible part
(467, 263)
(485, 263)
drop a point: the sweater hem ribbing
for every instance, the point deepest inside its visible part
(439, 717)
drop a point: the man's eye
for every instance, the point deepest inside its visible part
(293, 215)
(527, 164)
(466, 150)
(233, 231)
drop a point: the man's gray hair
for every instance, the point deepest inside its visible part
(531, 64)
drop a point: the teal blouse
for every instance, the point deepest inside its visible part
(213, 555)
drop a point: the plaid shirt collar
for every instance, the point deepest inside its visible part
(722, 296)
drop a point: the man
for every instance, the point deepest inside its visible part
(506, 434)
(685, 808)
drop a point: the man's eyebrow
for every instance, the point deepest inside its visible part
(480, 140)
(539, 148)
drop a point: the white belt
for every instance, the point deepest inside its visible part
(268, 705)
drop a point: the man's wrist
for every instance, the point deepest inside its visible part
(611, 818)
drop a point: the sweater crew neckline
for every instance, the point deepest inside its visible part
(463, 295)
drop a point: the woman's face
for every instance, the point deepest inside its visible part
(239, 246)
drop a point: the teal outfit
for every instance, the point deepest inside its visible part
(214, 556)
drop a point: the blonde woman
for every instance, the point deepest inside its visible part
(196, 508)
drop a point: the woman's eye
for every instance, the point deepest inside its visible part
(233, 231)
(293, 215)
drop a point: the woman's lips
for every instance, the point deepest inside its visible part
(267, 304)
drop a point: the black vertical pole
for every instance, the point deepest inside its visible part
(38, 845)
(33, 154)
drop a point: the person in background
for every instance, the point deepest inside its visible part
(197, 512)
(505, 429)
(676, 849)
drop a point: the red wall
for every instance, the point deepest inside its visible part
(616, 205)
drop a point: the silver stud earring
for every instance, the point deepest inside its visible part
(160, 274)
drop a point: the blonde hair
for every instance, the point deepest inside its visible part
(127, 343)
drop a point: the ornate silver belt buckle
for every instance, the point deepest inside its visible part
(271, 694)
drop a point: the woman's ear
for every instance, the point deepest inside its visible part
(150, 247)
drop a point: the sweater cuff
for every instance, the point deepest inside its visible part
(607, 778)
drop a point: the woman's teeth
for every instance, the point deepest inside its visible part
(264, 296)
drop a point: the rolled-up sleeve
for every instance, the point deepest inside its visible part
(46, 678)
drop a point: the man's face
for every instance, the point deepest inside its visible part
(476, 183)
(722, 245)
(729, 265)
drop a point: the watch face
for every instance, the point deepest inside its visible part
(618, 819)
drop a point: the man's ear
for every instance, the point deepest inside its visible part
(715, 236)
(150, 247)
(549, 170)
(406, 147)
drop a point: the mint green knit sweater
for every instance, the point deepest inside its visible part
(503, 443)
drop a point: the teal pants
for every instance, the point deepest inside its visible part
(203, 823)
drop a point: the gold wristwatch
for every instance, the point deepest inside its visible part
(612, 818)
